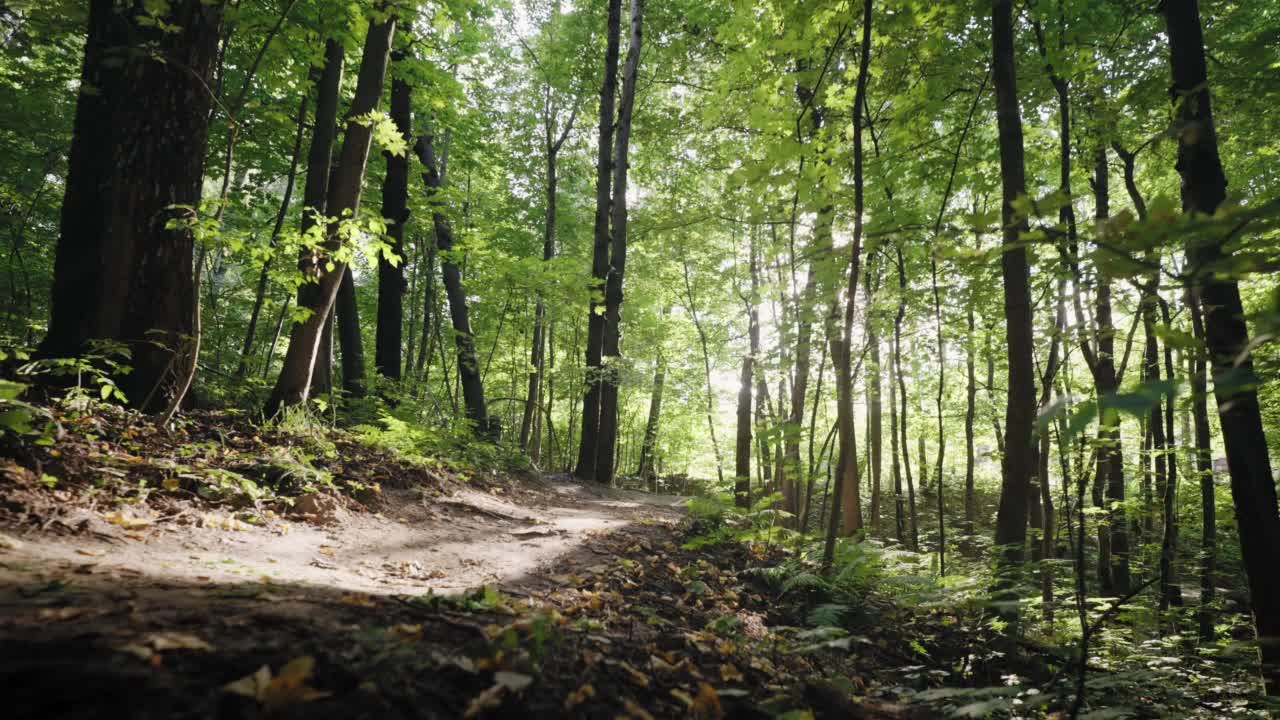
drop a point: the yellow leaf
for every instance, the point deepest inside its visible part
(287, 688)
(407, 633)
(634, 710)
(707, 703)
(579, 696)
(127, 522)
(637, 677)
(729, 673)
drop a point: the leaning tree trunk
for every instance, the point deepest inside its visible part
(260, 293)
(395, 211)
(607, 437)
(123, 264)
(1204, 187)
(294, 384)
(315, 199)
(1020, 412)
(588, 445)
(468, 365)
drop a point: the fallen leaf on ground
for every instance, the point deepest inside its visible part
(286, 688)
(127, 522)
(634, 710)
(60, 614)
(358, 600)
(176, 641)
(729, 673)
(707, 703)
(579, 696)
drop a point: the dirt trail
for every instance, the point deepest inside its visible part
(416, 544)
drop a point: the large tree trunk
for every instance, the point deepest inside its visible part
(260, 294)
(395, 211)
(607, 437)
(1204, 187)
(121, 271)
(468, 364)
(1011, 519)
(294, 384)
(588, 445)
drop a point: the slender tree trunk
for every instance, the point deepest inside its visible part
(350, 343)
(646, 471)
(970, 396)
(706, 368)
(468, 364)
(1170, 589)
(1011, 519)
(746, 383)
(315, 201)
(612, 351)
(587, 449)
(1204, 470)
(122, 270)
(260, 294)
(430, 317)
(875, 413)
(899, 499)
(902, 401)
(846, 512)
(395, 211)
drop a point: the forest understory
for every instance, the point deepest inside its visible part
(205, 574)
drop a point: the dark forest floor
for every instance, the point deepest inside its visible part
(127, 590)
(146, 581)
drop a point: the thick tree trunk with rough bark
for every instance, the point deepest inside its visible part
(395, 212)
(121, 273)
(588, 445)
(1204, 187)
(607, 437)
(294, 384)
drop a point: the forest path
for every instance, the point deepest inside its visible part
(506, 535)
